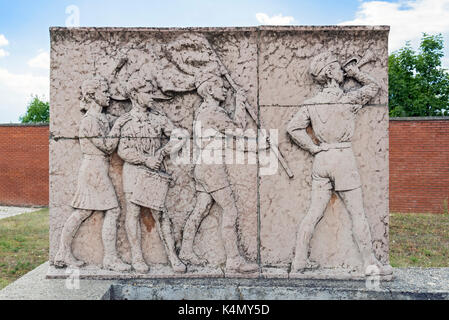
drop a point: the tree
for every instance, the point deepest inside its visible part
(37, 111)
(418, 85)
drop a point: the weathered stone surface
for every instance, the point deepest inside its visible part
(283, 209)
(285, 55)
(238, 219)
(76, 54)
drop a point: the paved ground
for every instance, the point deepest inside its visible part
(34, 286)
(6, 212)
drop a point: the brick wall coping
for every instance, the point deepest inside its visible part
(40, 124)
(418, 118)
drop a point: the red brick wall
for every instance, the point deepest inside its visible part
(24, 165)
(419, 165)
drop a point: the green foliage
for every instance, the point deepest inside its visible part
(37, 111)
(418, 85)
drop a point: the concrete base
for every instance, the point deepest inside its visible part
(409, 283)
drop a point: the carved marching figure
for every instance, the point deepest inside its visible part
(144, 184)
(211, 124)
(332, 114)
(94, 191)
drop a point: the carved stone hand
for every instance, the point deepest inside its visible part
(351, 70)
(123, 119)
(153, 163)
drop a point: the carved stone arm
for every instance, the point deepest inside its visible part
(369, 88)
(101, 143)
(130, 155)
(109, 143)
(303, 140)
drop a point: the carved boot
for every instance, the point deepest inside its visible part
(140, 266)
(301, 266)
(240, 265)
(190, 257)
(178, 266)
(114, 263)
(375, 267)
(64, 258)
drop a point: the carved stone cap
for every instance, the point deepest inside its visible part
(219, 29)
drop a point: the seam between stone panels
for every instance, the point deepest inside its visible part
(259, 260)
(134, 138)
(383, 105)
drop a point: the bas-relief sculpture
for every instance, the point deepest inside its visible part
(94, 190)
(175, 109)
(332, 115)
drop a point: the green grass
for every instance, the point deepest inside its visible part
(419, 240)
(23, 244)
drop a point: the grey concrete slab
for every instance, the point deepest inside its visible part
(35, 286)
(409, 283)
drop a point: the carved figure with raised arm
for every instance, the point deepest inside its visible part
(211, 125)
(332, 113)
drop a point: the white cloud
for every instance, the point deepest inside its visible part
(41, 61)
(279, 19)
(3, 41)
(15, 93)
(24, 83)
(3, 53)
(407, 19)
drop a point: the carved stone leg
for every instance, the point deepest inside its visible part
(64, 256)
(133, 231)
(202, 207)
(111, 260)
(319, 201)
(353, 201)
(164, 228)
(234, 261)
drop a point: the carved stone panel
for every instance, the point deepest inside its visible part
(158, 167)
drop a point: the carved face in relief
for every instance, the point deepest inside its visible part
(102, 94)
(141, 92)
(213, 87)
(144, 97)
(95, 90)
(217, 90)
(334, 71)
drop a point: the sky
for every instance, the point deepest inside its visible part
(25, 42)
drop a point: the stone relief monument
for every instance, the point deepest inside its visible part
(219, 152)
